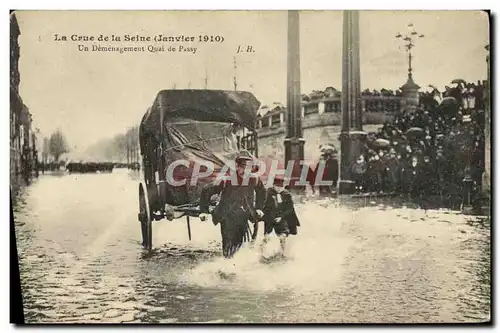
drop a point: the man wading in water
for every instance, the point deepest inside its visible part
(242, 199)
(279, 214)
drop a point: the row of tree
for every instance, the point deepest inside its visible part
(121, 148)
(54, 146)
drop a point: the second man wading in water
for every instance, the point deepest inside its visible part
(279, 214)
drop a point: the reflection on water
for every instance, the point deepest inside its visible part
(364, 261)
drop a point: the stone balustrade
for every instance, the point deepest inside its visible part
(327, 112)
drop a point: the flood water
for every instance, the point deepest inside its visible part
(363, 262)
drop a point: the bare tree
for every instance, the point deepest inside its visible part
(45, 150)
(58, 145)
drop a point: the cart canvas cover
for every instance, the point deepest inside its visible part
(196, 128)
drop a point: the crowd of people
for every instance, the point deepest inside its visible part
(89, 167)
(49, 166)
(429, 150)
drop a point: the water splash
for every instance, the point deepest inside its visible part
(351, 262)
(313, 259)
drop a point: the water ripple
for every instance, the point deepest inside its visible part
(353, 262)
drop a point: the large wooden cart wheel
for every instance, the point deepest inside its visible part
(145, 217)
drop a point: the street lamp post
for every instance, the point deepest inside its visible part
(409, 44)
(410, 88)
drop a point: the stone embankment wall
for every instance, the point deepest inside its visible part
(318, 129)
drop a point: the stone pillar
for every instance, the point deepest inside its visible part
(350, 141)
(410, 92)
(321, 107)
(294, 143)
(356, 73)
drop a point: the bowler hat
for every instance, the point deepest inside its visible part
(279, 179)
(244, 155)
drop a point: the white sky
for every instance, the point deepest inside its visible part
(94, 95)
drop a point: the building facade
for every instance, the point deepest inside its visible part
(16, 103)
(22, 145)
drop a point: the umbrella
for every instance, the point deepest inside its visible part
(414, 132)
(360, 133)
(449, 101)
(382, 143)
(449, 106)
(414, 129)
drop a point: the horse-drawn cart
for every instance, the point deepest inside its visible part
(192, 126)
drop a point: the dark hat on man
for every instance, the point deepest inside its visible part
(280, 179)
(244, 155)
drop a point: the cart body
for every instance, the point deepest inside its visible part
(194, 126)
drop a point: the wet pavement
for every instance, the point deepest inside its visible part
(368, 261)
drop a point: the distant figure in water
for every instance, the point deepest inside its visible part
(279, 214)
(330, 173)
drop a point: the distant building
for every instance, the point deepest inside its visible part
(375, 104)
(271, 117)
